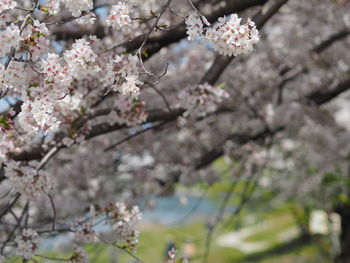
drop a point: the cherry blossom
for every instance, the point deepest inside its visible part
(230, 37)
(107, 100)
(130, 87)
(123, 222)
(194, 26)
(53, 6)
(122, 75)
(202, 99)
(5, 17)
(81, 59)
(119, 17)
(9, 38)
(83, 231)
(58, 76)
(27, 243)
(7, 4)
(129, 111)
(35, 39)
(227, 36)
(27, 180)
(77, 6)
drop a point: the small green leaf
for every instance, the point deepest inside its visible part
(43, 8)
(144, 53)
(343, 198)
(222, 85)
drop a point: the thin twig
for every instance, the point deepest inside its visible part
(47, 157)
(133, 135)
(155, 24)
(53, 212)
(10, 205)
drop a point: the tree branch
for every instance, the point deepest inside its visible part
(331, 40)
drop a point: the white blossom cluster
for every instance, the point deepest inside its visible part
(27, 180)
(9, 38)
(5, 17)
(123, 222)
(27, 243)
(7, 4)
(81, 59)
(35, 38)
(10, 139)
(195, 26)
(42, 98)
(119, 16)
(79, 9)
(57, 76)
(130, 86)
(128, 111)
(83, 231)
(77, 6)
(39, 101)
(38, 114)
(87, 18)
(15, 77)
(228, 36)
(53, 6)
(202, 99)
(122, 75)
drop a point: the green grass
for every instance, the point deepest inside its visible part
(274, 227)
(153, 240)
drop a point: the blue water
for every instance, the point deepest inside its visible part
(170, 210)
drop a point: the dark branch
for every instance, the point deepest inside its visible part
(320, 97)
(331, 40)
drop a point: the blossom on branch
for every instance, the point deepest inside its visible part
(227, 36)
(81, 59)
(202, 99)
(79, 256)
(9, 38)
(27, 180)
(27, 243)
(119, 17)
(7, 4)
(77, 6)
(194, 25)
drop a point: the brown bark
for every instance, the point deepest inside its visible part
(344, 212)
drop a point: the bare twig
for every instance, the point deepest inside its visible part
(47, 157)
(53, 212)
(10, 205)
(133, 135)
(155, 24)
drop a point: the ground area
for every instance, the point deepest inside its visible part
(275, 239)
